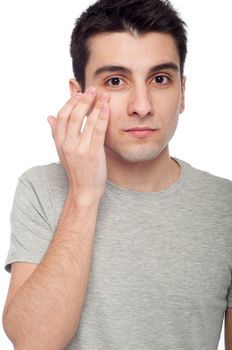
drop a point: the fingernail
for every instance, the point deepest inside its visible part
(92, 90)
(105, 107)
(78, 95)
(104, 96)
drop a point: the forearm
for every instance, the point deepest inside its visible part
(46, 310)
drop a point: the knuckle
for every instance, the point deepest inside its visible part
(93, 153)
(73, 103)
(85, 101)
(70, 149)
(73, 118)
(98, 129)
(61, 116)
(86, 98)
(90, 123)
(67, 149)
(58, 144)
(98, 106)
(81, 150)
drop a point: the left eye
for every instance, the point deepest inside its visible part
(114, 81)
(161, 79)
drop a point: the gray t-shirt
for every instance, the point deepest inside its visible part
(161, 273)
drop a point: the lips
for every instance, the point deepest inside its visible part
(141, 132)
(141, 129)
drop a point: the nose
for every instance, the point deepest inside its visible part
(140, 102)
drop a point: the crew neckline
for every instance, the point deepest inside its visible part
(184, 167)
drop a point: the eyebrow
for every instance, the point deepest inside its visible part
(127, 71)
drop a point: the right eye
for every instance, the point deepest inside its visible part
(115, 81)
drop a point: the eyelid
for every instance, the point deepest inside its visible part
(161, 75)
(110, 78)
(164, 75)
(114, 76)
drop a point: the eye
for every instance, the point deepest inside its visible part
(162, 79)
(115, 81)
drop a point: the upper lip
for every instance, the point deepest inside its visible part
(140, 128)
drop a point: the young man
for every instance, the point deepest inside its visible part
(119, 245)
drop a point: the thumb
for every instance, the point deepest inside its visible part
(52, 122)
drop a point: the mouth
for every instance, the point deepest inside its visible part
(141, 132)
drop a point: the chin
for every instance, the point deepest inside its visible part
(137, 156)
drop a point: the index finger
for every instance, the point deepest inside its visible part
(63, 117)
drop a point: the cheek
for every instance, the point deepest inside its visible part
(117, 100)
(112, 123)
(169, 106)
(117, 112)
(172, 116)
(117, 120)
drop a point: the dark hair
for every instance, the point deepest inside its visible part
(142, 16)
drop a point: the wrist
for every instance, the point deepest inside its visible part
(82, 200)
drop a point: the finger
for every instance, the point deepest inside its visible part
(63, 118)
(52, 122)
(99, 131)
(92, 119)
(78, 114)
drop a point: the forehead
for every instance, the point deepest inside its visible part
(132, 51)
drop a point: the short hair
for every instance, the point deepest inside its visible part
(134, 16)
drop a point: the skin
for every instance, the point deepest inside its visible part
(138, 99)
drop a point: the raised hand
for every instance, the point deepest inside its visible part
(83, 154)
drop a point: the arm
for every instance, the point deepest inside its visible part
(45, 310)
(228, 329)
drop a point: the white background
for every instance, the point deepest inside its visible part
(34, 72)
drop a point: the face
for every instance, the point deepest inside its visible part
(143, 93)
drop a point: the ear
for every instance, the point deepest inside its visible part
(74, 87)
(182, 101)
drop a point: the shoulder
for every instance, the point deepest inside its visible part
(45, 178)
(208, 184)
(211, 179)
(39, 173)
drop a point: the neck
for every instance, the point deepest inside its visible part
(148, 176)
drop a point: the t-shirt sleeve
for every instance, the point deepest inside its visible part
(31, 231)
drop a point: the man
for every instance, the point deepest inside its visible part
(119, 245)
